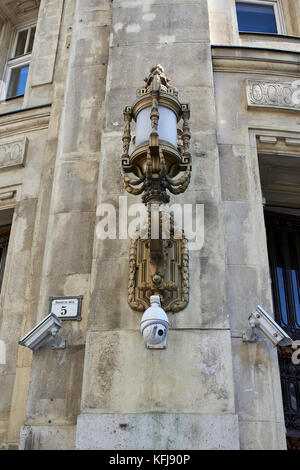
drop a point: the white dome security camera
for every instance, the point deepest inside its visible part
(155, 325)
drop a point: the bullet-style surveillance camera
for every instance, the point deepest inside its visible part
(155, 325)
(262, 321)
(39, 334)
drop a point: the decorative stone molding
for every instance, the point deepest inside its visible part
(24, 122)
(13, 153)
(279, 167)
(18, 11)
(264, 94)
(7, 195)
(292, 142)
(24, 6)
(265, 139)
(255, 60)
(277, 141)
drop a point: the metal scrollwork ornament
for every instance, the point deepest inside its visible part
(159, 164)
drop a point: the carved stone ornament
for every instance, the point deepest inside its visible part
(18, 11)
(13, 153)
(267, 94)
(24, 6)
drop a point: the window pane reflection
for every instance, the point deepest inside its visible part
(256, 18)
(18, 81)
(31, 40)
(283, 234)
(282, 295)
(21, 43)
(296, 292)
(293, 398)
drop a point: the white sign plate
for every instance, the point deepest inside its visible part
(66, 308)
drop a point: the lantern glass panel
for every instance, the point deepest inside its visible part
(167, 126)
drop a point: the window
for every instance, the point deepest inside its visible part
(283, 232)
(4, 239)
(258, 16)
(283, 235)
(18, 62)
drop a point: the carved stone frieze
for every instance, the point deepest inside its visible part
(13, 153)
(271, 94)
(18, 11)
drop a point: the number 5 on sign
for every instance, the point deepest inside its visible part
(66, 308)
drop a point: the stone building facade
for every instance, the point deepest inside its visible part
(68, 68)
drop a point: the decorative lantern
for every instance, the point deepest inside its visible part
(161, 152)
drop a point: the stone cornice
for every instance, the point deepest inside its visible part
(242, 59)
(24, 121)
(19, 11)
(277, 141)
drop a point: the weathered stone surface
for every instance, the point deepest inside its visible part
(84, 70)
(47, 438)
(71, 213)
(77, 183)
(6, 388)
(245, 234)
(160, 23)
(155, 431)
(20, 288)
(251, 363)
(54, 396)
(127, 61)
(247, 287)
(19, 401)
(72, 241)
(163, 381)
(234, 160)
(3, 433)
(46, 45)
(262, 435)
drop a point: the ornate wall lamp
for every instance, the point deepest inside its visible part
(158, 265)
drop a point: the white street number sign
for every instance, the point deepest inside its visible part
(65, 308)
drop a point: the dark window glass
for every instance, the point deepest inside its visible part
(31, 40)
(4, 239)
(18, 80)
(290, 384)
(21, 43)
(256, 18)
(283, 234)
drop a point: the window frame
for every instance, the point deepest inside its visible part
(15, 62)
(278, 12)
(5, 231)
